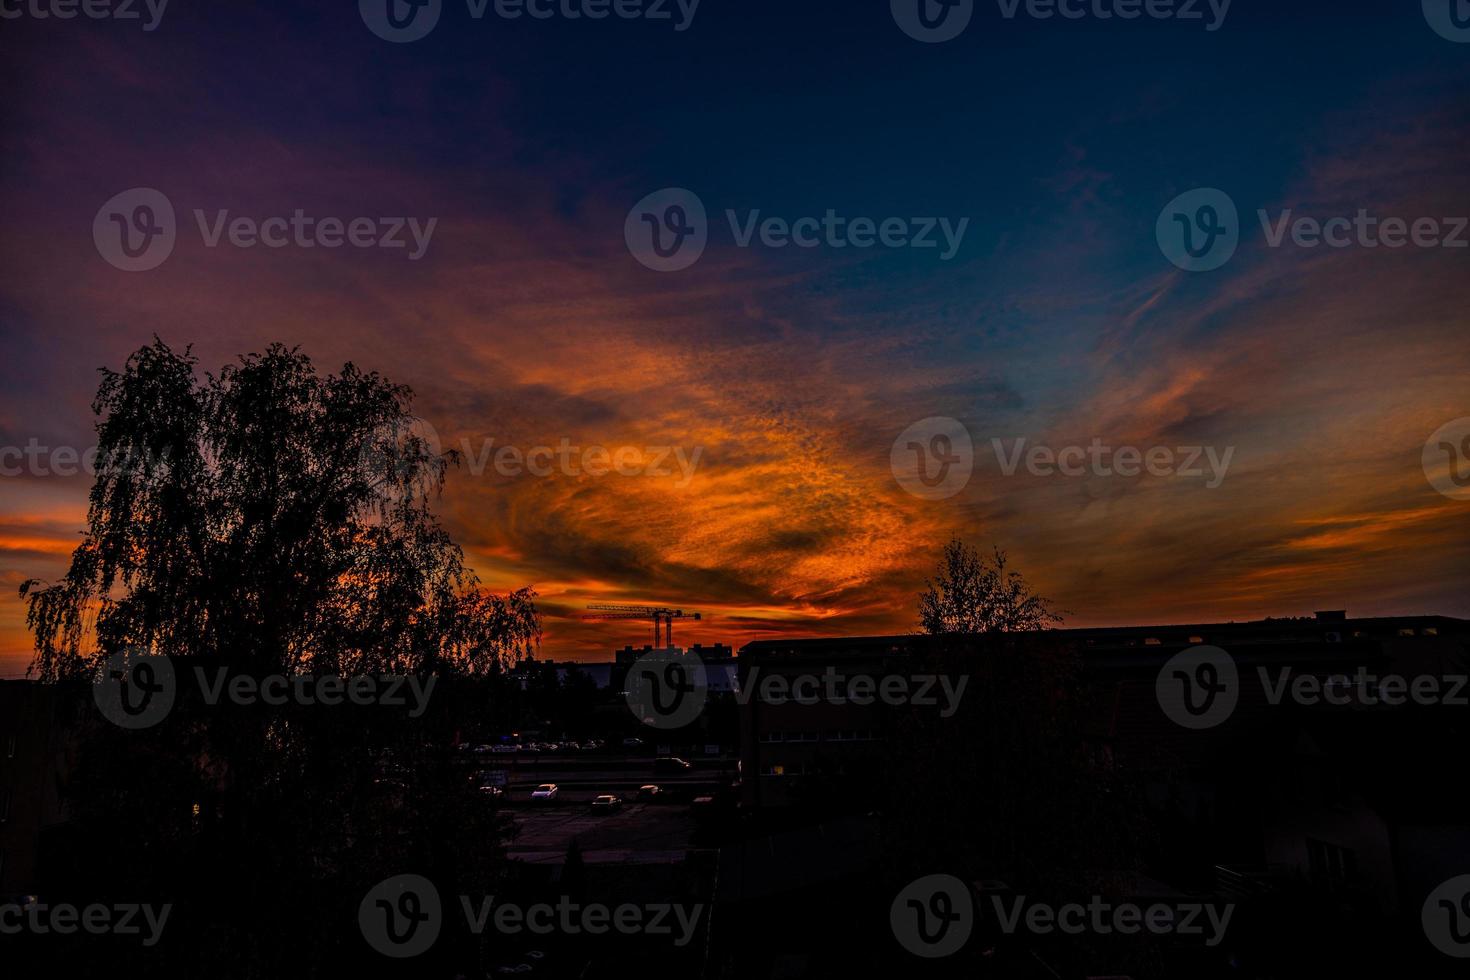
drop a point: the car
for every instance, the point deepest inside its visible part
(648, 792)
(670, 763)
(491, 791)
(632, 743)
(502, 748)
(606, 801)
(544, 793)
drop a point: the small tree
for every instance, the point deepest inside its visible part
(974, 595)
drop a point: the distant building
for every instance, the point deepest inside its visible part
(718, 660)
(599, 673)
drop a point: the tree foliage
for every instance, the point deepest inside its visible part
(273, 515)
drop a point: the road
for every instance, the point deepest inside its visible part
(636, 833)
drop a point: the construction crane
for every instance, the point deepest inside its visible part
(659, 614)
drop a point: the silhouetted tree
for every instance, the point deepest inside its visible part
(271, 514)
(973, 595)
(272, 520)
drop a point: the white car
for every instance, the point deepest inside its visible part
(544, 793)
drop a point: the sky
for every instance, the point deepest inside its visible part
(779, 386)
